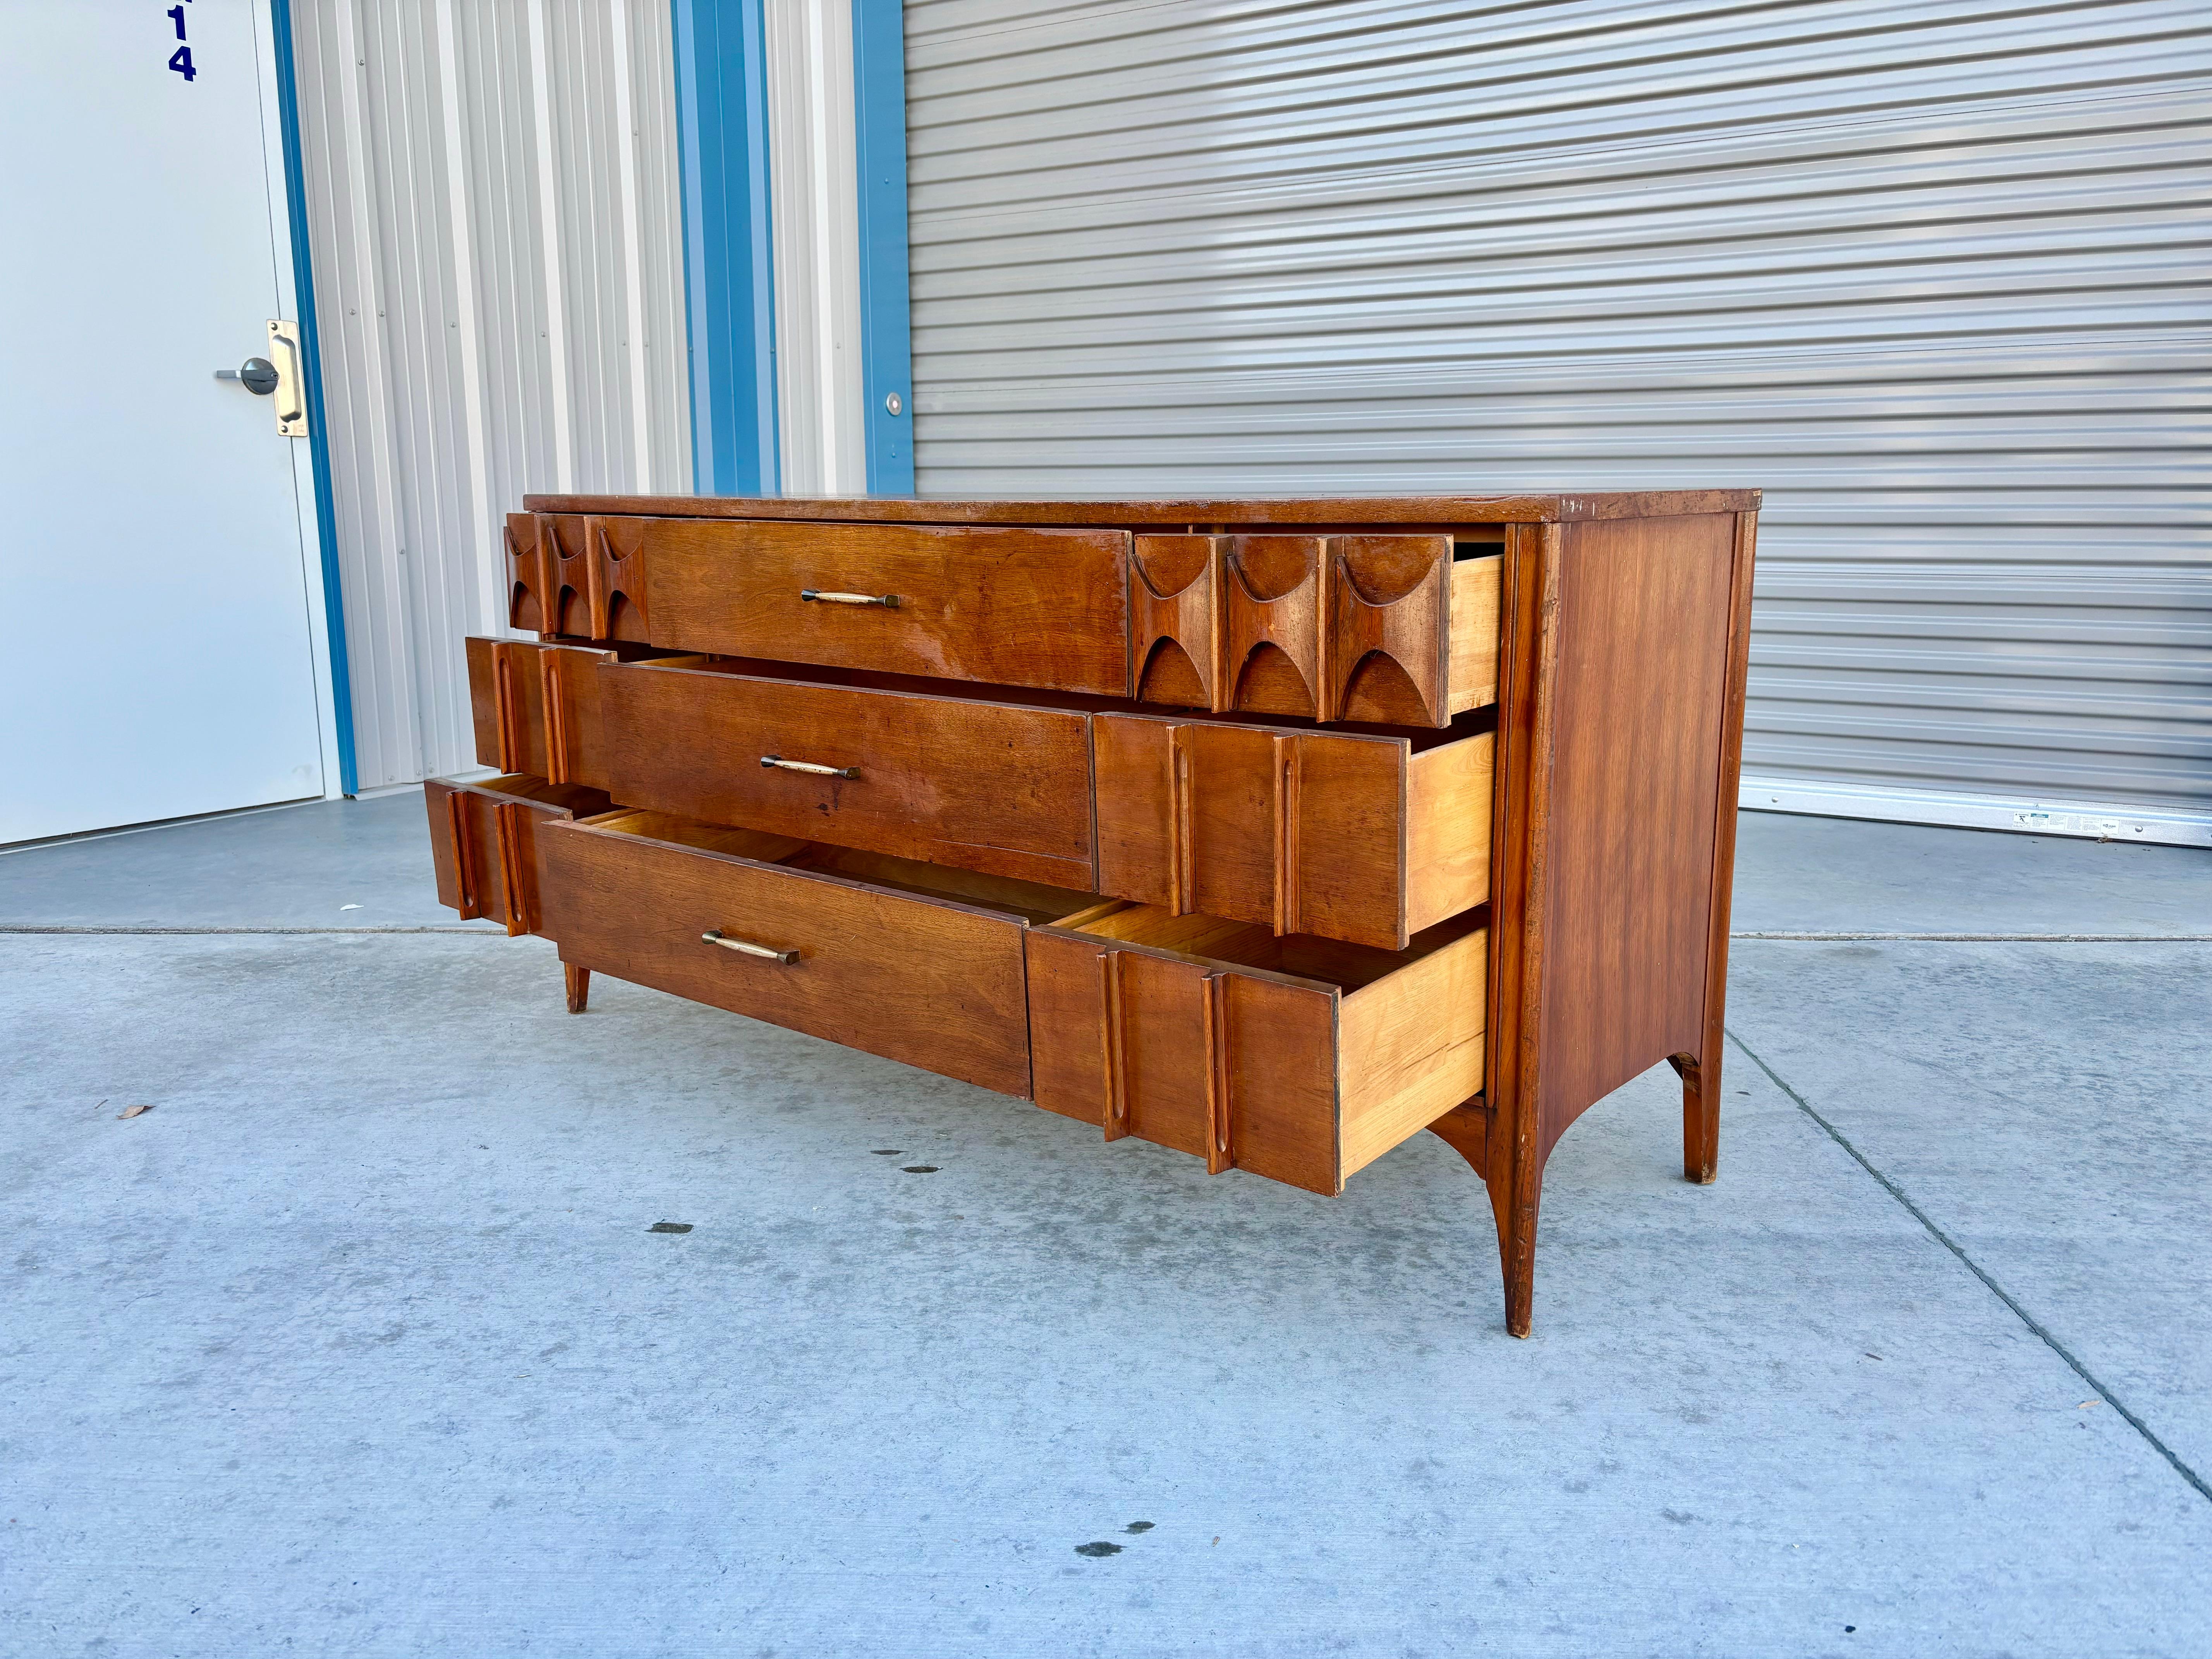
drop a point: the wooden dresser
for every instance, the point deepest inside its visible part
(1273, 831)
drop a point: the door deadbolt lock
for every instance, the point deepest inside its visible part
(257, 375)
(281, 379)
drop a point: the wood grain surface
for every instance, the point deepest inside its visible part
(1006, 607)
(484, 847)
(934, 983)
(1644, 605)
(536, 709)
(1235, 1044)
(1349, 835)
(970, 781)
(1389, 632)
(1196, 514)
(1411, 1047)
(1473, 670)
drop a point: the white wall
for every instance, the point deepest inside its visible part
(495, 221)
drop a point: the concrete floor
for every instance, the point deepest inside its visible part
(357, 1343)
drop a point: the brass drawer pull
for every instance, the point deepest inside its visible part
(889, 601)
(746, 948)
(778, 761)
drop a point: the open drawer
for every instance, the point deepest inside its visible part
(1394, 629)
(1362, 835)
(485, 842)
(1296, 1057)
(984, 783)
(535, 706)
(1358, 833)
(910, 960)
(1006, 606)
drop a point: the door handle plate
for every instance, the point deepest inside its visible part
(291, 397)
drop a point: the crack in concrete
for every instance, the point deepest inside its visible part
(2000, 938)
(1975, 1268)
(163, 932)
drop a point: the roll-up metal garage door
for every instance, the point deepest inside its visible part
(1933, 274)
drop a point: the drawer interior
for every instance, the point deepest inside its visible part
(1248, 945)
(1330, 1053)
(1030, 901)
(1420, 737)
(520, 786)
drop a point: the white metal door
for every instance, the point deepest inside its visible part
(160, 653)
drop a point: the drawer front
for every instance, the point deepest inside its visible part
(982, 785)
(536, 709)
(1299, 1059)
(1390, 629)
(1045, 608)
(485, 847)
(1235, 1067)
(932, 984)
(576, 574)
(532, 602)
(1343, 834)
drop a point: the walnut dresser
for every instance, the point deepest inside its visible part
(1272, 831)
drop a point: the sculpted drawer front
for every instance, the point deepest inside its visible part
(981, 784)
(881, 954)
(1043, 608)
(1396, 629)
(1349, 835)
(576, 573)
(485, 846)
(1299, 1059)
(537, 707)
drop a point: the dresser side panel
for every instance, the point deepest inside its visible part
(1636, 763)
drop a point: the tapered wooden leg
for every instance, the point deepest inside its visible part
(580, 986)
(1476, 1131)
(1701, 1115)
(1516, 1247)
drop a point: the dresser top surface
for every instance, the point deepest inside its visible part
(1177, 512)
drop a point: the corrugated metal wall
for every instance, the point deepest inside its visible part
(815, 232)
(1932, 274)
(497, 235)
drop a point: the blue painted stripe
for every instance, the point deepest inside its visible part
(721, 102)
(886, 337)
(319, 449)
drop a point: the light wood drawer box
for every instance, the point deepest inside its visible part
(1299, 1059)
(1044, 608)
(1352, 836)
(1399, 630)
(485, 846)
(981, 784)
(905, 960)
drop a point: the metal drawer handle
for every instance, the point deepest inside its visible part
(889, 601)
(783, 764)
(746, 948)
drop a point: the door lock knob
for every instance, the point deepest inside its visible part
(257, 375)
